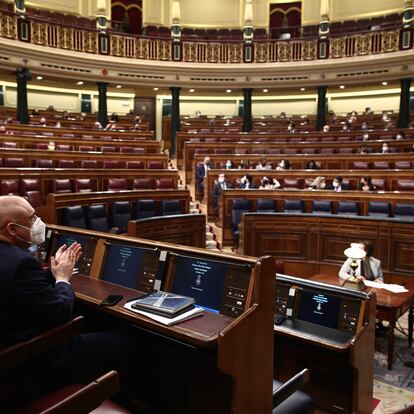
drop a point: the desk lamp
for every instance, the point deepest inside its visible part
(356, 253)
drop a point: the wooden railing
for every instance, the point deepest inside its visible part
(57, 35)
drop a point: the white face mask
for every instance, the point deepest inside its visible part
(335, 184)
(37, 231)
(221, 180)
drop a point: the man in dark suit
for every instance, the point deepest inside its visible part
(33, 300)
(337, 184)
(201, 174)
(219, 185)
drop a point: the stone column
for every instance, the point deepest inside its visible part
(321, 111)
(175, 117)
(247, 109)
(22, 76)
(404, 115)
(102, 104)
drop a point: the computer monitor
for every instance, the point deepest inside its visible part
(218, 286)
(130, 266)
(88, 244)
(319, 308)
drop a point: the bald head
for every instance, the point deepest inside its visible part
(14, 209)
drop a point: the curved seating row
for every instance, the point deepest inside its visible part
(32, 189)
(96, 217)
(345, 208)
(18, 162)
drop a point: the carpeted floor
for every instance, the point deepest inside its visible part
(394, 388)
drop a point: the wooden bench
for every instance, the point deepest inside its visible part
(30, 157)
(299, 162)
(362, 198)
(309, 243)
(57, 202)
(183, 229)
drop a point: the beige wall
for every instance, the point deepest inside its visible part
(290, 105)
(210, 107)
(377, 100)
(81, 7)
(66, 99)
(349, 9)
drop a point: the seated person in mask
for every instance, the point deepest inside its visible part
(319, 183)
(369, 267)
(263, 165)
(337, 184)
(33, 300)
(269, 184)
(365, 184)
(229, 165)
(246, 182)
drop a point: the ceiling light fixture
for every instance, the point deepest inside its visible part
(341, 86)
(118, 86)
(191, 90)
(303, 89)
(385, 83)
(39, 77)
(265, 90)
(228, 90)
(156, 89)
(79, 83)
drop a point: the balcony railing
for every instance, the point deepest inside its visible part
(46, 33)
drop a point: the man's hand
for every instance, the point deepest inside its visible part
(64, 247)
(62, 269)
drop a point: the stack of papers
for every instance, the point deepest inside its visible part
(192, 313)
(387, 286)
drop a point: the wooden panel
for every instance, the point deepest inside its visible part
(187, 230)
(258, 236)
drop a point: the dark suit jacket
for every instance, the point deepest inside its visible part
(216, 193)
(30, 301)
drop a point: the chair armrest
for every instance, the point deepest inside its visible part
(17, 354)
(288, 388)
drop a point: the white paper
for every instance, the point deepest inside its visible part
(192, 313)
(391, 287)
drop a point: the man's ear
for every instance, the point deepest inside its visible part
(10, 228)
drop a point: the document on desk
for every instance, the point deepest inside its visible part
(192, 313)
(391, 287)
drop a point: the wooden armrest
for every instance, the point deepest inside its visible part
(79, 399)
(289, 387)
(17, 354)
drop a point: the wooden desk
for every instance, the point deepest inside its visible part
(390, 306)
(232, 358)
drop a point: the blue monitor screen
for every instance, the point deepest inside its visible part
(122, 265)
(319, 308)
(69, 239)
(200, 279)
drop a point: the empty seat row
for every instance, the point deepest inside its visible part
(15, 162)
(345, 208)
(32, 189)
(287, 138)
(83, 148)
(96, 217)
(291, 151)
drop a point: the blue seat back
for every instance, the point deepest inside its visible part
(74, 217)
(121, 215)
(348, 208)
(96, 218)
(405, 211)
(170, 207)
(145, 209)
(294, 206)
(265, 205)
(378, 209)
(322, 207)
(239, 207)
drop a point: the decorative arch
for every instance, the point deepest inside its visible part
(127, 15)
(284, 17)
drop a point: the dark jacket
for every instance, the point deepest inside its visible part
(30, 301)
